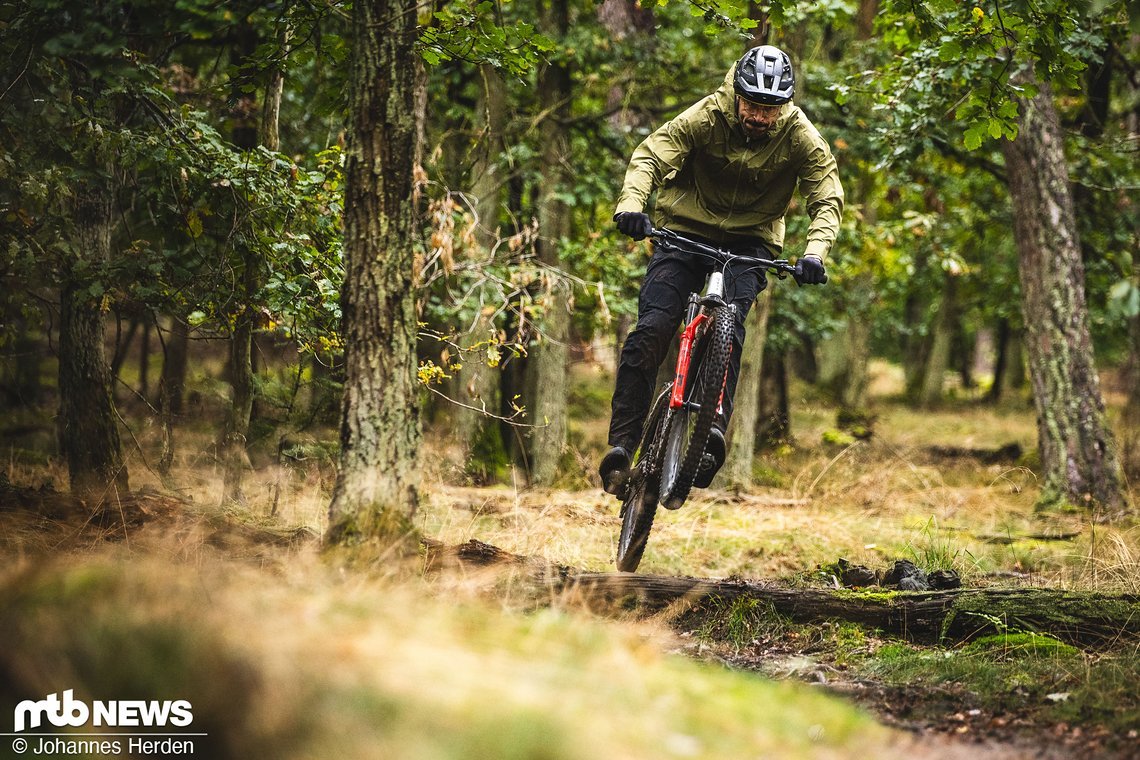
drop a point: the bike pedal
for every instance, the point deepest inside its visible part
(617, 484)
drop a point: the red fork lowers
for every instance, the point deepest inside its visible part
(684, 356)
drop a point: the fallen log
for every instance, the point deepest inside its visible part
(1079, 618)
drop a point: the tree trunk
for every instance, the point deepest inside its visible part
(938, 360)
(144, 357)
(171, 387)
(857, 349)
(775, 423)
(1015, 374)
(865, 18)
(269, 134)
(89, 434)
(1001, 360)
(916, 344)
(1130, 419)
(123, 344)
(477, 382)
(235, 437)
(853, 398)
(1078, 454)
(235, 458)
(548, 383)
(742, 435)
(377, 487)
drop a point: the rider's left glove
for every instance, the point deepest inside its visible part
(810, 271)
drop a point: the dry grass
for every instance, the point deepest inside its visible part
(297, 658)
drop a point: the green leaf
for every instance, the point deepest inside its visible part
(194, 224)
(951, 50)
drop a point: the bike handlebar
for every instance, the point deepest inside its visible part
(781, 267)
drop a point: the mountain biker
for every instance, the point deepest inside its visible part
(724, 171)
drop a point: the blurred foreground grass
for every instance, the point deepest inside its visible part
(301, 660)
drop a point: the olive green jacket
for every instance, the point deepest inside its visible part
(713, 182)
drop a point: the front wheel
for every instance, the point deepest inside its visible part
(689, 426)
(639, 505)
(637, 520)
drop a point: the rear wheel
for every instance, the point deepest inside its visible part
(639, 505)
(690, 425)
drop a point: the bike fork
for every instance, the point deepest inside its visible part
(694, 318)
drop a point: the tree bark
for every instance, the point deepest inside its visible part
(477, 383)
(548, 383)
(144, 356)
(917, 339)
(742, 437)
(1001, 360)
(1130, 419)
(938, 360)
(775, 423)
(1078, 454)
(269, 134)
(171, 387)
(89, 434)
(235, 437)
(857, 341)
(377, 487)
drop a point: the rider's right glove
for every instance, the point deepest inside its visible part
(634, 223)
(810, 271)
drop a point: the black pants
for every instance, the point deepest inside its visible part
(672, 275)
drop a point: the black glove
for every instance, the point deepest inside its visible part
(810, 271)
(634, 223)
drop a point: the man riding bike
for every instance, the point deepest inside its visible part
(724, 171)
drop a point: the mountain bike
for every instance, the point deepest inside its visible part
(677, 428)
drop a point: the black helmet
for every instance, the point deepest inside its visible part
(764, 75)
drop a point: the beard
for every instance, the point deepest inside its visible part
(756, 128)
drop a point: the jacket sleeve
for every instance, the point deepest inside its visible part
(660, 156)
(819, 184)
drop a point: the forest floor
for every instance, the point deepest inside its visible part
(474, 653)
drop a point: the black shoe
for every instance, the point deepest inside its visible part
(614, 469)
(711, 461)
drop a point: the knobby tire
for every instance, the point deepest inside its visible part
(689, 428)
(639, 506)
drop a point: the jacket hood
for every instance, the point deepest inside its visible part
(725, 98)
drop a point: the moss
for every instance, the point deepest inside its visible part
(1020, 644)
(837, 438)
(1071, 611)
(869, 595)
(739, 621)
(848, 642)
